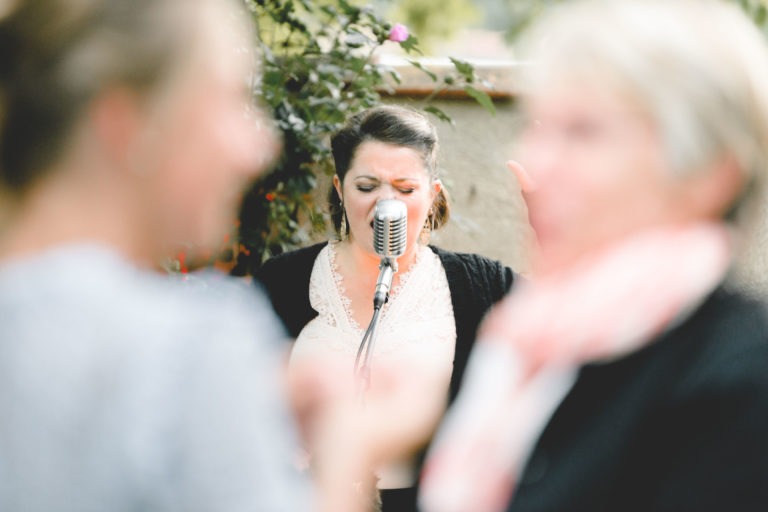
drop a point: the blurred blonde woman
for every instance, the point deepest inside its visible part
(630, 373)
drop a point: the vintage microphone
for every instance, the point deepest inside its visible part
(390, 225)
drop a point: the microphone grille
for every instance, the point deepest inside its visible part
(390, 225)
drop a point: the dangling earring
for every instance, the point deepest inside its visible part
(426, 229)
(343, 228)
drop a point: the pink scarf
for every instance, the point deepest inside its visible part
(533, 342)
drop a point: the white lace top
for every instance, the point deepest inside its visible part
(416, 323)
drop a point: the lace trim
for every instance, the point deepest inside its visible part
(406, 275)
(338, 279)
(418, 322)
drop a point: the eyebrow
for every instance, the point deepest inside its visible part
(396, 180)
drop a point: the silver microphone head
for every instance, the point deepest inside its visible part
(390, 224)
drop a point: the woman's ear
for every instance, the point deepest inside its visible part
(337, 186)
(437, 186)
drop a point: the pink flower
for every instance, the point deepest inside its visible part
(398, 33)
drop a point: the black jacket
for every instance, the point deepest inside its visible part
(475, 283)
(680, 425)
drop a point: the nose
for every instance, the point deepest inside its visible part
(386, 191)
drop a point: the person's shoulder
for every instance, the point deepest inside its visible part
(744, 317)
(471, 263)
(466, 270)
(730, 335)
(310, 251)
(464, 258)
(90, 294)
(290, 260)
(152, 305)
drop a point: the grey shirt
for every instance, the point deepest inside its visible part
(125, 390)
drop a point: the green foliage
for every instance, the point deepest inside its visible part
(757, 10)
(319, 68)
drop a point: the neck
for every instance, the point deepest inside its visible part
(367, 263)
(60, 211)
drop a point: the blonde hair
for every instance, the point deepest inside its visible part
(697, 68)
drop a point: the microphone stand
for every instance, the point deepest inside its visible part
(387, 269)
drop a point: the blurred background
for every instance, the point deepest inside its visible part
(326, 59)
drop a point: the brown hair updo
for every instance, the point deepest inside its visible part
(390, 124)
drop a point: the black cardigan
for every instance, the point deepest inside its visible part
(680, 425)
(475, 284)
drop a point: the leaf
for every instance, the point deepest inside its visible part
(348, 9)
(420, 66)
(440, 114)
(465, 69)
(411, 45)
(395, 76)
(482, 98)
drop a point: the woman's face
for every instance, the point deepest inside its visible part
(207, 141)
(385, 171)
(597, 169)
